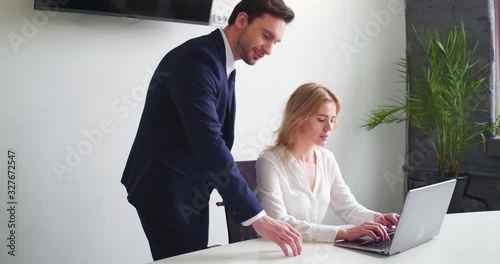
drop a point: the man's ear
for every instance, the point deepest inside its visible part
(241, 20)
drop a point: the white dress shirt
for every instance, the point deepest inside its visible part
(230, 63)
(285, 194)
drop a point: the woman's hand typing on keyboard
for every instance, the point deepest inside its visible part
(388, 220)
(371, 229)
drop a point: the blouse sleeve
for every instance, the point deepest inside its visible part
(343, 202)
(269, 176)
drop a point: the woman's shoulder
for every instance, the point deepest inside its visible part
(325, 153)
(327, 161)
(271, 154)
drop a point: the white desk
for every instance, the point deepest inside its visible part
(468, 238)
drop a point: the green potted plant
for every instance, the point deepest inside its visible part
(447, 92)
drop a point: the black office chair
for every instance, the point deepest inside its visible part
(238, 232)
(474, 197)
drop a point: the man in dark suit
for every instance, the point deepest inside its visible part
(182, 148)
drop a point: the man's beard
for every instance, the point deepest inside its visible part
(243, 50)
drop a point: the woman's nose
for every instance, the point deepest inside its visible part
(328, 126)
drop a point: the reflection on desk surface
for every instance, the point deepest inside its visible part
(457, 243)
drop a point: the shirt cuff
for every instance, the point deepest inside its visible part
(323, 233)
(370, 216)
(255, 218)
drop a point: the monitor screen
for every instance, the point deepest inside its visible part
(189, 11)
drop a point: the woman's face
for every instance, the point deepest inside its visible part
(316, 129)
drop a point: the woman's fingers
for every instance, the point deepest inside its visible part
(388, 220)
(377, 230)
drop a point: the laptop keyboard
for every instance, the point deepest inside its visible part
(386, 244)
(382, 244)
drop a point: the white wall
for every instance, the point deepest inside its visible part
(65, 76)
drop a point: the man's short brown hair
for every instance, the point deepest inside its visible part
(257, 8)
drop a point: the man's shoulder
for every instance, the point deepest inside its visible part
(207, 43)
(201, 49)
(200, 53)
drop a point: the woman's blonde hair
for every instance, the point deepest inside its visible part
(304, 102)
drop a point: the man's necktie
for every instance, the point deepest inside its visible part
(230, 88)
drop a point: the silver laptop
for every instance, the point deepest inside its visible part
(420, 221)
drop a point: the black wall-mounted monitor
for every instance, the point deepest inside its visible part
(187, 11)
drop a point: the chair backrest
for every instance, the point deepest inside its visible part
(238, 232)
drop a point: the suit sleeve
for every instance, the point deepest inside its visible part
(194, 93)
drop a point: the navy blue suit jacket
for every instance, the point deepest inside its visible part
(182, 147)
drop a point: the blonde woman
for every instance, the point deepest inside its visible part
(299, 180)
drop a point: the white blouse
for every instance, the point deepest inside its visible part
(285, 194)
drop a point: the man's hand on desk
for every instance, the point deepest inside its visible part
(280, 233)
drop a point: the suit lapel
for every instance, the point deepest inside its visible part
(221, 49)
(230, 113)
(231, 116)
